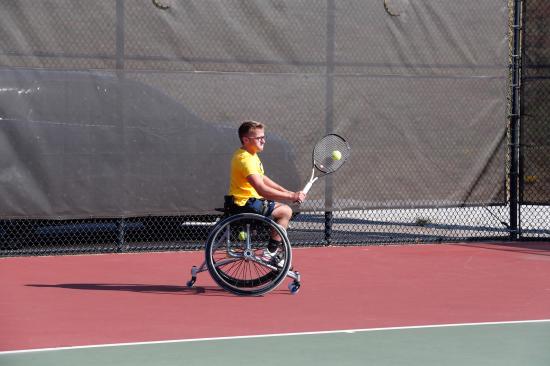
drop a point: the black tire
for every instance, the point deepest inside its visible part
(241, 270)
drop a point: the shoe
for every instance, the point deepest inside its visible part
(275, 258)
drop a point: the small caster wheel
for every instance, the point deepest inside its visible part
(191, 282)
(294, 287)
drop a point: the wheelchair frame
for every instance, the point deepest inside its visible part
(243, 251)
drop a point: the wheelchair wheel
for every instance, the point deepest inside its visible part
(237, 257)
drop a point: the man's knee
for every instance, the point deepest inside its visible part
(282, 211)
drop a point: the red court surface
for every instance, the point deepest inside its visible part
(119, 298)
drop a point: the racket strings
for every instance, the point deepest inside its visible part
(323, 153)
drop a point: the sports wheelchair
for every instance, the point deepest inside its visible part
(237, 258)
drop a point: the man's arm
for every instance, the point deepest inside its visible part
(265, 189)
(272, 184)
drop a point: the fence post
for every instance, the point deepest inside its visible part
(119, 34)
(329, 107)
(514, 125)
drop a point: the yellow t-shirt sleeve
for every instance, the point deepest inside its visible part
(251, 166)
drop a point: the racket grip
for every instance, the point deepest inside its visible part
(307, 187)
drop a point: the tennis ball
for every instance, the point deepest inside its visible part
(242, 236)
(336, 155)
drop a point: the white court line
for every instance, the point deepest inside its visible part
(349, 331)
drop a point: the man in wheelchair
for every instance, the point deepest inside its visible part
(254, 192)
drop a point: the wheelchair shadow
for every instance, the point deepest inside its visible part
(139, 288)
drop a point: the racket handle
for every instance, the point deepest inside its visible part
(307, 187)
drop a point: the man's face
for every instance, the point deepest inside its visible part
(255, 139)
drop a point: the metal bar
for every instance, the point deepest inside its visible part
(515, 119)
(120, 34)
(329, 106)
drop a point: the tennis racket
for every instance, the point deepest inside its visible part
(329, 154)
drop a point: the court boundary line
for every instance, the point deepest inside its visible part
(348, 331)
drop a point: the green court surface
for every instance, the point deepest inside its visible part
(510, 343)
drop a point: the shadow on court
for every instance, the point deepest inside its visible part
(139, 288)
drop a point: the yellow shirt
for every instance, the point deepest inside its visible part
(244, 164)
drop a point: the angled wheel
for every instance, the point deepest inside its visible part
(237, 257)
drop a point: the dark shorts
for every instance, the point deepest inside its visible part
(258, 206)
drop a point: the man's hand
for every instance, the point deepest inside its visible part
(299, 197)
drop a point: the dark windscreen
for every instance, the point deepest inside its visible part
(114, 108)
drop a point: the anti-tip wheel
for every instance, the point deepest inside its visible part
(294, 287)
(191, 282)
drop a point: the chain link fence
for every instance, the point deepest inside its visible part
(535, 123)
(94, 95)
(159, 233)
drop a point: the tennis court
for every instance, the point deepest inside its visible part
(430, 246)
(450, 304)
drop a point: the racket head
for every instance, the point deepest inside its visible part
(323, 159)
